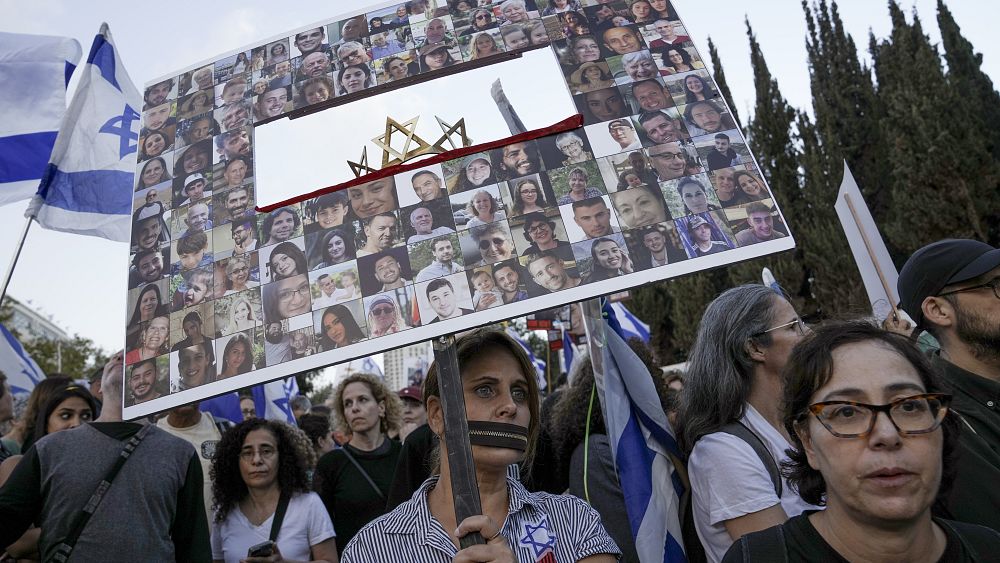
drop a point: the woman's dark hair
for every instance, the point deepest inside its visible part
(277, 45)
(448, 62)
(480, 343)
(57, 397)
(300, 100)
(289, 249)
(763, 190)
(167, 141)
(352, 331)
(239, 339)
(569, 415)
(349, 252)
(515, 194)
(720, 369)
(537, 217)
(690, 96)
(598, 272)
(810, 366)
(315, 426)
(161, 309)
(685, 56)
(364, 68)
(228, 488)
(36, 401)
(163, 178)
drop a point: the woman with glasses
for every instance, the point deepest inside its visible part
(730, 417)
(480, 20)
(528, 197)
(238, 275)
(286, 298)
(259, 471)
(540, 231)
(875, 444)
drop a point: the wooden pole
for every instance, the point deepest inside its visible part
(13, 261)
(464, 487)
(871, 254)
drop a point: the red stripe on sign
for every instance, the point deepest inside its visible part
(568, 124)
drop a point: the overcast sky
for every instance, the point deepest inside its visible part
(80, 281)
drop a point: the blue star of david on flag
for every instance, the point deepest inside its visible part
(87, 187)
(538, 537)
(121, 125)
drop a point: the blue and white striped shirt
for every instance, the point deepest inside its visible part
(537, 524)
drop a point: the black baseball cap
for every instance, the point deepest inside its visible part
(940, 264)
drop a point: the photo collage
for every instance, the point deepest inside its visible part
(658, 174)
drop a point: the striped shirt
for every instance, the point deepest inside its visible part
(539, 527)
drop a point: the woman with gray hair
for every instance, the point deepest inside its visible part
(730, 415)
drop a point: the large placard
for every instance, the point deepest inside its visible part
(659, 182)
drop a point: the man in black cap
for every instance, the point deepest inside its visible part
(951, 288)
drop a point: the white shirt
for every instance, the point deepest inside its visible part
(728, 480)
(204, 436)
(324, 300)
(306, 524)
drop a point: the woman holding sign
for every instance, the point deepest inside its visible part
(501, 403)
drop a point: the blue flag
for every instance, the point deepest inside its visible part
(22, 372)
(87, 188)
(642, 445)
(34, 71)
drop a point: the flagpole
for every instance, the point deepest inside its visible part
(13, 261)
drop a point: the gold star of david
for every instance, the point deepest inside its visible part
(407, 128)
(392, 156)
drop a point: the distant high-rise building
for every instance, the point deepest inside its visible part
(407, 365)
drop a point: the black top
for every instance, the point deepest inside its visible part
(803, 543)
(413, 466)
(975, 496)
(347, 495)
(21, 499)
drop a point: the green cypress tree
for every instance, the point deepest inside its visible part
(975, 90)
(936, 158)
(770, 133)
(845, 108)
(720, 79)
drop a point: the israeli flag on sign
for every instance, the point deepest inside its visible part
(22, 372)
(34, 71)
(87, 188)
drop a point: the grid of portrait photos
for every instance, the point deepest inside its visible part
(658, 174)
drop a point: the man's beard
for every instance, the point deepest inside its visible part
(274, 337)
(981, 335)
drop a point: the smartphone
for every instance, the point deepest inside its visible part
(264, 549)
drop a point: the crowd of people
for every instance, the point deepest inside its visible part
(786, 454)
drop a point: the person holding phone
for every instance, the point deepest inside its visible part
(264, 510)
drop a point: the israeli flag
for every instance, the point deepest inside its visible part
(272, 400)
(642, 444)
(34, 71)
(539, 364)
(87, 188)
(631, 326)
(22, 372)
